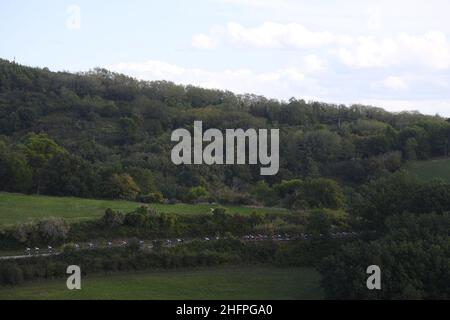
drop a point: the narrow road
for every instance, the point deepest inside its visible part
(27, 256)
(116, 244)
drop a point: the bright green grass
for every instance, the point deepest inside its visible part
(226, 283)
(431, 169)
(18, 208)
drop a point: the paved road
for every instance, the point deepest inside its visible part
(115, 244)
(27, 256)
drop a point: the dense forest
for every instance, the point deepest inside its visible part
(105, 135)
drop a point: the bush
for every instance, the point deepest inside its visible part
(320, 193)
(122, 186)
(414, 255)
(197, 194)
(141, 217)
(156, 197)
(112, 219)
(134, 245)
(53, 230)
(10, 274)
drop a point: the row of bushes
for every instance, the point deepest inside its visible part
(194, 254)
(52, 231)
(147, 223)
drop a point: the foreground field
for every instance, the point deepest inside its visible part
(217, 283)
(431, 169)
(18, 208)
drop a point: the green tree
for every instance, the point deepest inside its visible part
(323, 145)
(197, 193)
(39, 150)
(414, 256)
(68, 175)
(264, 193)
(15, 174)
(320, 193)
(410, 149)
(144, 179)
(122, 186)
(128, 130)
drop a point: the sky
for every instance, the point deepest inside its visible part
(392, 54)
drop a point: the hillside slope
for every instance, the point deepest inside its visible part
(106, 135)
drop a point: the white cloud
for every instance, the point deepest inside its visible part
(203, 41)
(366, 52)
(276, 35)
(272, 35)
(430, 49)
(312, 63)
(395, 83)
(271, 4)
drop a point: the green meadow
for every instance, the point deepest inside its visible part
(256, 283)
(16, 208)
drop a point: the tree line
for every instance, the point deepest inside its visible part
(105, 135)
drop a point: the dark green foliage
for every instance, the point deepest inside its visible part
(15, 173)
(67, 174)
(80, 134)
(122, 186)
(105, 135)
(10, 274)
(414, 256)
(401, 193)
(321, 193)
(319, 223)
(312, 193)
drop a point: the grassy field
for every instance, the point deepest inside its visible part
(428, 170)
(217, 283)
(18, 208)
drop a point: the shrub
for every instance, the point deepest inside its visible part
(197, 194)
(53, 230)
(112, 218)
(10, 274)
(156, 197)
(122, 187)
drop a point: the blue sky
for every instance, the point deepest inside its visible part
(393, 54)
